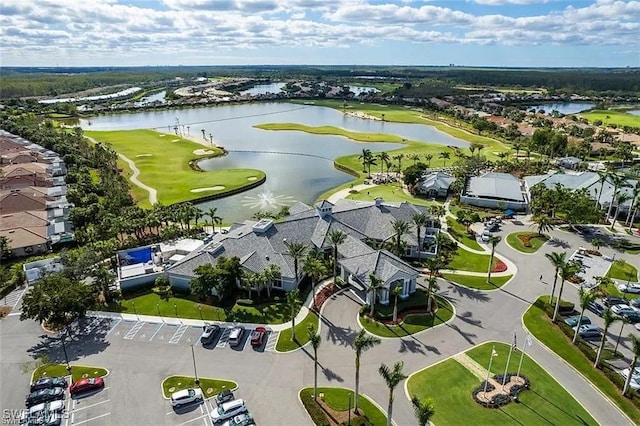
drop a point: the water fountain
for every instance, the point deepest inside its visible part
(267, 200)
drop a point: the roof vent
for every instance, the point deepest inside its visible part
(262, 226)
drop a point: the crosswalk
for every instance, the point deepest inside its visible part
(12, 299)
(178, 334)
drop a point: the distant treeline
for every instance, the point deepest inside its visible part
(20, 82)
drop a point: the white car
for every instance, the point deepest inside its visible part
(228, 410)
(623, 310)
(631, 288)
(588, 330)
(240, 420)
(486, 235)
(186, 396)
(635, 378)
(37, 413)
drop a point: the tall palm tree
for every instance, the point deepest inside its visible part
(375, 285)
(384, 159)
(431, 288)
(585, 297)
(419, 220)
(362, 343)
(296, 251)
(567, 270)
(618, 181)
(423, 410)
(392, 377)
(293, 306)
(365, 157)
(544, 223)
(609, 318)
(444, 155)
(620, 199)
(271, 273)
(396, 292)
(315, 269)
(603, 176)
(635, 349)
(197, 215)
(315, 340)
(635, 199)
(215, 219)
(493, 240)
(428, 157)
(401, 228)
(399, 158)
(517, 147)
(336, 237)
(557, 259)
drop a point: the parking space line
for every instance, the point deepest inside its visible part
(75, 410)
(156, 332)
(192, 420)
(113, 327)
(222, 341)
(178, 334)
(134, 330)
(92, 419)
(273, 340)
(246, 342)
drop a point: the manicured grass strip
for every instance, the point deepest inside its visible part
(459, 232)
(60, 370)
(538, 323)
(545, 403)
(338, 399)
(285, 344)
(390, 192)
(535, 240)
(164, 164)
(466, 261)
(187, 307)
(619, 118)
(209, 387)
(479, 283)
(337, 131)
(413, 323)
(623, 271)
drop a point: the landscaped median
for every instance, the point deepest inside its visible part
(465, 260)
(60, 370)
(333, 403)
(461, 234)
(287, 344)
(479, 283)
(451, 383)
(539, 324)
(209, 387)
(526, 242)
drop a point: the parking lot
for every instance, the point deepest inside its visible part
(196, 414)
(91, 408)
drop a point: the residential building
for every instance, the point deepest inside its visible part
(494, 190)
(570, 163)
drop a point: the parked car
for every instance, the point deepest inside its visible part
(596, 308)
(628, 288)
(257, 336)
(86, 385)
(245, 419)
(209, 334)
(235, 335)
(613, 300)
(228, 410)
(492, 226)
(186, 396)
(588, 330)
(632, 317)
(41, 410)
(573, 321)
(224, 396)
(636, 373)
(635, 303)
(622, 309)
(486, 234)
(49, 382)
(43, 395)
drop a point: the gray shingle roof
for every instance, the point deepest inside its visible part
(495, 186)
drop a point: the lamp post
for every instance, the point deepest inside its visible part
(66, 356)
(349, 411)
(133, 303)
(195, 371)
(200, 310)
(159, 314)
(176, 309)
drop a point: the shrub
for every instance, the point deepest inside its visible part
(315, 412)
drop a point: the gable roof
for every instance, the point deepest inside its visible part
(436, 180)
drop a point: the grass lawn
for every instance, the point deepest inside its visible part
(187, 307)
(459, 232)
(623, 271)
(620, 118)
(391, 192)
(466, 261)
(479, 283)
(338, 399)
(60, 370)
(536, 320)
(159, 157)
(209, 387)
(413, 323)
(536, 241)
(545, 403)
(285, 344)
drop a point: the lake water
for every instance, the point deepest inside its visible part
(634, 112)
(299, 166)
(262, 89)
(565, 107)
(152, 98)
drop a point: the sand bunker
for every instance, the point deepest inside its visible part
(162, 136)
(144, 155)
(202, 152)
(176, 140)
(211, 188)
(252, 178)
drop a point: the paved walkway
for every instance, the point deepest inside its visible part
(344, 193)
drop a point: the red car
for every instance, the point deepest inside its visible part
(257, 336)
(85, 385)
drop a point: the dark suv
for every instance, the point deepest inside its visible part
(612, 301)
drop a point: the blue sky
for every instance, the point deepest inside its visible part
(544, 33)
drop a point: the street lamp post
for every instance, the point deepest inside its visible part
(159, 314)
(66, 356)
(195, 370)
(133, 303)
(176, 309)
(349, 411)
(200, 310)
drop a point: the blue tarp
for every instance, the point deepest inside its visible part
(509, 212)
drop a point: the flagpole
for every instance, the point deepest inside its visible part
(504, 378)
(493, 351)
(527, 342)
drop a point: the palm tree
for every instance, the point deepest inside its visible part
(393, 377)
(585, 297)
(296, 251)
(400, 228)
(315, 269)
(399, 158)
(293, 306)
(609, 318)
(315, 340)
(603, 176)
(397, 291)
(384, 158)
(362, 343)
(544, 223)
(635, 199)
(433, 286)
(271, 273)
(493, 240)
(365, 157)
(445, 156)
(621, 199)
(428, 157)
(557, 259)
(517, 146)
(375, 285)
(419, 220)
(215, 219)
(567, 270)
(597, 243)
(336, 237)
(618, 181)
(197, 215)
(635, 348)
(423, 410)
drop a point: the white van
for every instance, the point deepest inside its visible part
(235, 335)
(228, 410)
